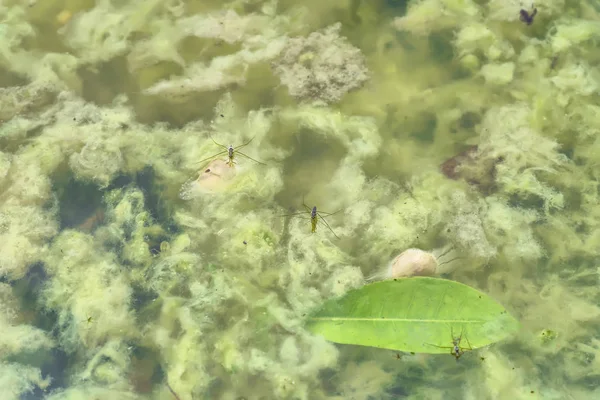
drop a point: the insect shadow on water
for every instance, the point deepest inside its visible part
(231, 152)
(315, 217)
(456, 350)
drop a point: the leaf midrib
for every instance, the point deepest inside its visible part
(384, 319)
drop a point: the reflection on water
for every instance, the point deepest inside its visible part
(133, 267)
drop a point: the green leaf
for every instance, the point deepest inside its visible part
(419, 314)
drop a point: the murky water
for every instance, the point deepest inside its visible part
(159, 161)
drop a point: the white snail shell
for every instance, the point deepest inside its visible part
(412, 262)
(417, 262)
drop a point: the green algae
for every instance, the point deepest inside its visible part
(107, 108)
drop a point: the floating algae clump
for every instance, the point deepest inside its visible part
(17, 341)
(322, 66)
(24, 231)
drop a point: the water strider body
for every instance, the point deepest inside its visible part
(456, 350)
(313, 219)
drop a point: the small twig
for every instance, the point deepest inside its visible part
(172, 391)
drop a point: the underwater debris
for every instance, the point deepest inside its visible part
(451, 167)
(471, 166)
(554, 62)
(80, 204)
(547, 335)
(93, 221)
(527, 17)
(323, 66)
(63, 17)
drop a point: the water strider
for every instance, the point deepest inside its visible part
(315, 217)
(456, 350)
(231, 152)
